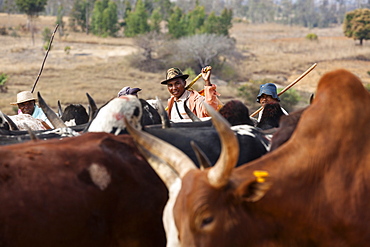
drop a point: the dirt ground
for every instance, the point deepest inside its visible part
(98, 66)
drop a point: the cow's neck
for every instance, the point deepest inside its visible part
(309, 197)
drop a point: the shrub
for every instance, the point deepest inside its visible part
(3, 31)
(46, 34)
(190, 72)
(226, 71)
(14, 34)
(250, 90)
(67, 49)
(3, 79)
(46, 45)
(367, 87)
(312, 37)
(289, 99)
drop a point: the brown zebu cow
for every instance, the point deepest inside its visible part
(317, 191)
(91, 190)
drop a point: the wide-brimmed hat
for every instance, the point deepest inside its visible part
(173, 73)
(23, 97)
(268, 89)
(128, 91)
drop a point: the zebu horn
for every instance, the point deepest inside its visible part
(93, 106)
(161, 150)
(162, 112)
(12, 125)
(32, 134)
(163, 170)
(56, 121)
(191, 115)
(218, 175)
(201, 156)
(60, 110)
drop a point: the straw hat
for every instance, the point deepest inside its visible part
(23, 97)
(174, 73)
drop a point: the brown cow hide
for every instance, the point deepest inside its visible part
(91, 190)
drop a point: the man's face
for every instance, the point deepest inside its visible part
(27, 107)
(176, 87)
(267, 99)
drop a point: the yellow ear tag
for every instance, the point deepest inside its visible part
(260, 175)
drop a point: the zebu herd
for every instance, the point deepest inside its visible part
(185, 186)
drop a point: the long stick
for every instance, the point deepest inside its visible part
(43, 62)
(287, 87)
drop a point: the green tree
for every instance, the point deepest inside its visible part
(164, 8)
(137, 20)
(80, 15)
(149, 6)
(210, 24)
(128, 8)
(218, 24)
(177, 24)
(357, 24)
(225, 22)
(195, 20)
(97, 17)
(155, 20)
(31, 8)
(110, 19)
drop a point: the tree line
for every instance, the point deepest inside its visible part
(143, 17)
(309, 13)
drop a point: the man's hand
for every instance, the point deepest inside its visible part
(206, 75)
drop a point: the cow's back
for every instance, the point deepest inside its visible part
(93, 190)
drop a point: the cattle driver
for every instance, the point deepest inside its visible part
(27, 105)
(268, 95)
(176, 85)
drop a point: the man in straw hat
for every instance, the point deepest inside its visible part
(176, 82)
(27, 105)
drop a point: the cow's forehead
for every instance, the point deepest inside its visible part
(195, 186)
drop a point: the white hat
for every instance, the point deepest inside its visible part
(23, 97)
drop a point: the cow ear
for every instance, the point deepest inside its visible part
(256, 189)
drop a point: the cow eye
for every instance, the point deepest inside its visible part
(206, 221)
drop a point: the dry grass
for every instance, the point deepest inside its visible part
(276, 50)
(99, 65)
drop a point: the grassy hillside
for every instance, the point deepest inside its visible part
(99, 66)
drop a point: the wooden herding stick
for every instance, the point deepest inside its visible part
(43, 62)
(287, 87)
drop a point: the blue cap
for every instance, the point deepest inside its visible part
(268, 89)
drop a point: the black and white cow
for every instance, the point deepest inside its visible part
(110, 119)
